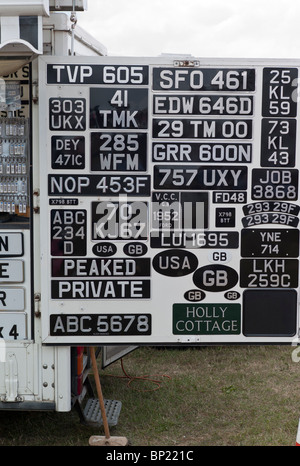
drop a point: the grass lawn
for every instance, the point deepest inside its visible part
(205, 396)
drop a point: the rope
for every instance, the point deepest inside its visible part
(157, 383)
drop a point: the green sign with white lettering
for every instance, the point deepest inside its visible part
(206, 319)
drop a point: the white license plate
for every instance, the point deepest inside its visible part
(11, 271)
(12, 299)
(11, 244)
(13, 326)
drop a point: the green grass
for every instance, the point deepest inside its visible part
(226, 396)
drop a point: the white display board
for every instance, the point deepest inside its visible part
(169, 200)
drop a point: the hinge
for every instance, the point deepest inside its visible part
(37, 300)
(11, 379)
(190, 63)
(36, 199)
(35, 92)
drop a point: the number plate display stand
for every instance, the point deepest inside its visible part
(169, 196)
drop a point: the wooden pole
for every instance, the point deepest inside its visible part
(100, 440)
(99, 392)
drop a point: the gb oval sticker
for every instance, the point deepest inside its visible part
(175, 263)
(215, 277)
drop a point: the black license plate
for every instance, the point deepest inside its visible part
(100, 324)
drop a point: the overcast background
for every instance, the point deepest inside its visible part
(207, 28)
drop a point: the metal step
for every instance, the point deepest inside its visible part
(92, 412)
